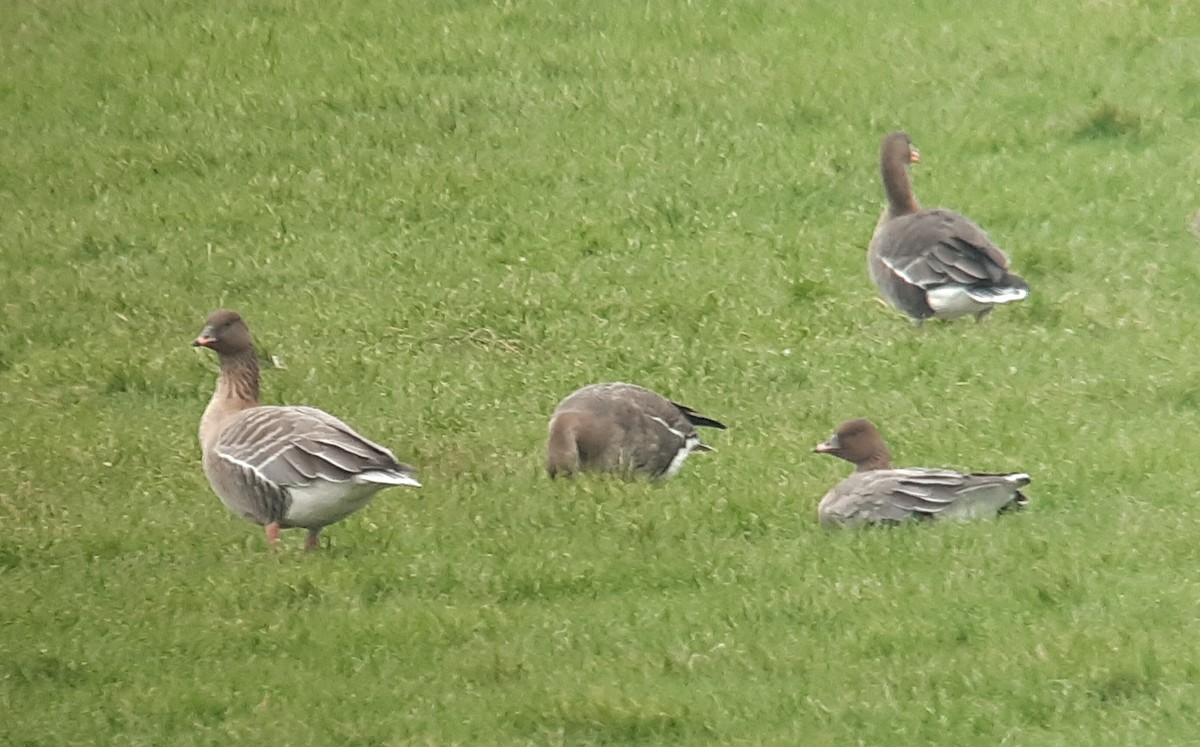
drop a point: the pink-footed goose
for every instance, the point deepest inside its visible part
(282, 467)
(622, 429)
(877, 493)
(933, 263)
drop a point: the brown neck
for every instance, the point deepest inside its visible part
(898, 186)
(237, 390)
(881, 459)
(239, 378)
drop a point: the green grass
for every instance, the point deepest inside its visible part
(441, 218)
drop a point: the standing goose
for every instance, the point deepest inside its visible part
(624, 429)
(282, 467)
(933, 263)
(877, 493)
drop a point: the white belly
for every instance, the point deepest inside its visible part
(324, 503)
(951, 302)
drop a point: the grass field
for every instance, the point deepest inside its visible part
(440, 218)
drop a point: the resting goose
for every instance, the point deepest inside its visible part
(877, 493)
(933, 263)
(282, 467)
(623, 429)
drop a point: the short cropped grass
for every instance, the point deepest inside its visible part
(440, 218)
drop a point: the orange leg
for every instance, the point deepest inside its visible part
(273, 535)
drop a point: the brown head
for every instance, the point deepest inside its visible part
(858, 442)
(225, 334)
(562, 448)
(898, 148)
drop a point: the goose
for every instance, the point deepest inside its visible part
(933, 263)
(282, 467)
(623, 429)
(877, 493)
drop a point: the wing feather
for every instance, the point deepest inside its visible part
(294, 446)
(895, 495)
(936, 247)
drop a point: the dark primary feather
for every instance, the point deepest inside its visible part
(697, 419)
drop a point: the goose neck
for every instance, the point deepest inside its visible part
(897, 184)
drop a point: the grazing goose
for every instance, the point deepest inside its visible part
(623, 429)
(877, 493)
(933, 263)
(282, 467)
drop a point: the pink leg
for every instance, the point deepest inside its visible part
(314, 539)
(273, 535)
